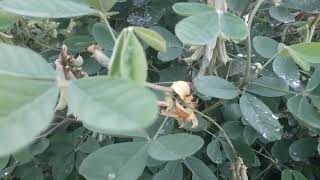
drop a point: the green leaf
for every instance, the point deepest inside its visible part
(175, 146)
(29, 171)
(173, 44)
(268, 87)
(89, 145)
(314, 81)
(307, 52)
(265, 46)
(311, 6)
(190, 9)
(234, 130)
(280, 151)
(23, 156)
(128, 59)
(214, 152)
(79, 43)
(260, 117)
(286, 174)
(237, 6)
(305, 112)
(281, 14)
(4, 161)
(200, 171)
(46, 9)
(28, 97)
(250, 135)
(172, 171)
(103, 37)
(102, 5)
(298, 175)
(245, 152)
(152, 38)
(7, 20)
(216, 87)
(112, 104)
(63, 165)
(203, 28)
(296, 58)
(302, 149)
(287, 70)
(121, 161)
(39, 146)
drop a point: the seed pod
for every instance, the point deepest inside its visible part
(98, 55)
(62, 84)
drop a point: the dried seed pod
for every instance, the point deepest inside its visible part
(182, 88)
(98, 55)
(77, 62)
(63, 84)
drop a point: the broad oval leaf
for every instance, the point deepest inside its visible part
(216, 87)
(214, 151)
(260, 117)
(311, 6)
(305, 112)
(288, 174)
(172, 171)
(121, 161)
(295, 57)
(287, 70)
(175, 146)
(232, 27)
(200, 171)
(152, 38)
(201, 29)
(307, 52)
(46, 9)
(302, 149)
(189, 9)
(198, 29)
(314, 81)
(128, 59)
(268, 87)
(28, 96)
(112, 105)
(173, 45)
(281, 14)
(79, 43)
(102, 5)
(265, 46)
(103, 37)
(280, 150)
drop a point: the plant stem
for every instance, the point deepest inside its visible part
(157, 87)
(219, 127)
(213, 106)
(160, 128)
(249, 48)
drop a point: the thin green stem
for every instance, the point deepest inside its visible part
(249, 48)
(160, 128)
(219, 127)
(157, 87)
(213, 106)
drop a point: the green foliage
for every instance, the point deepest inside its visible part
(155, 90)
